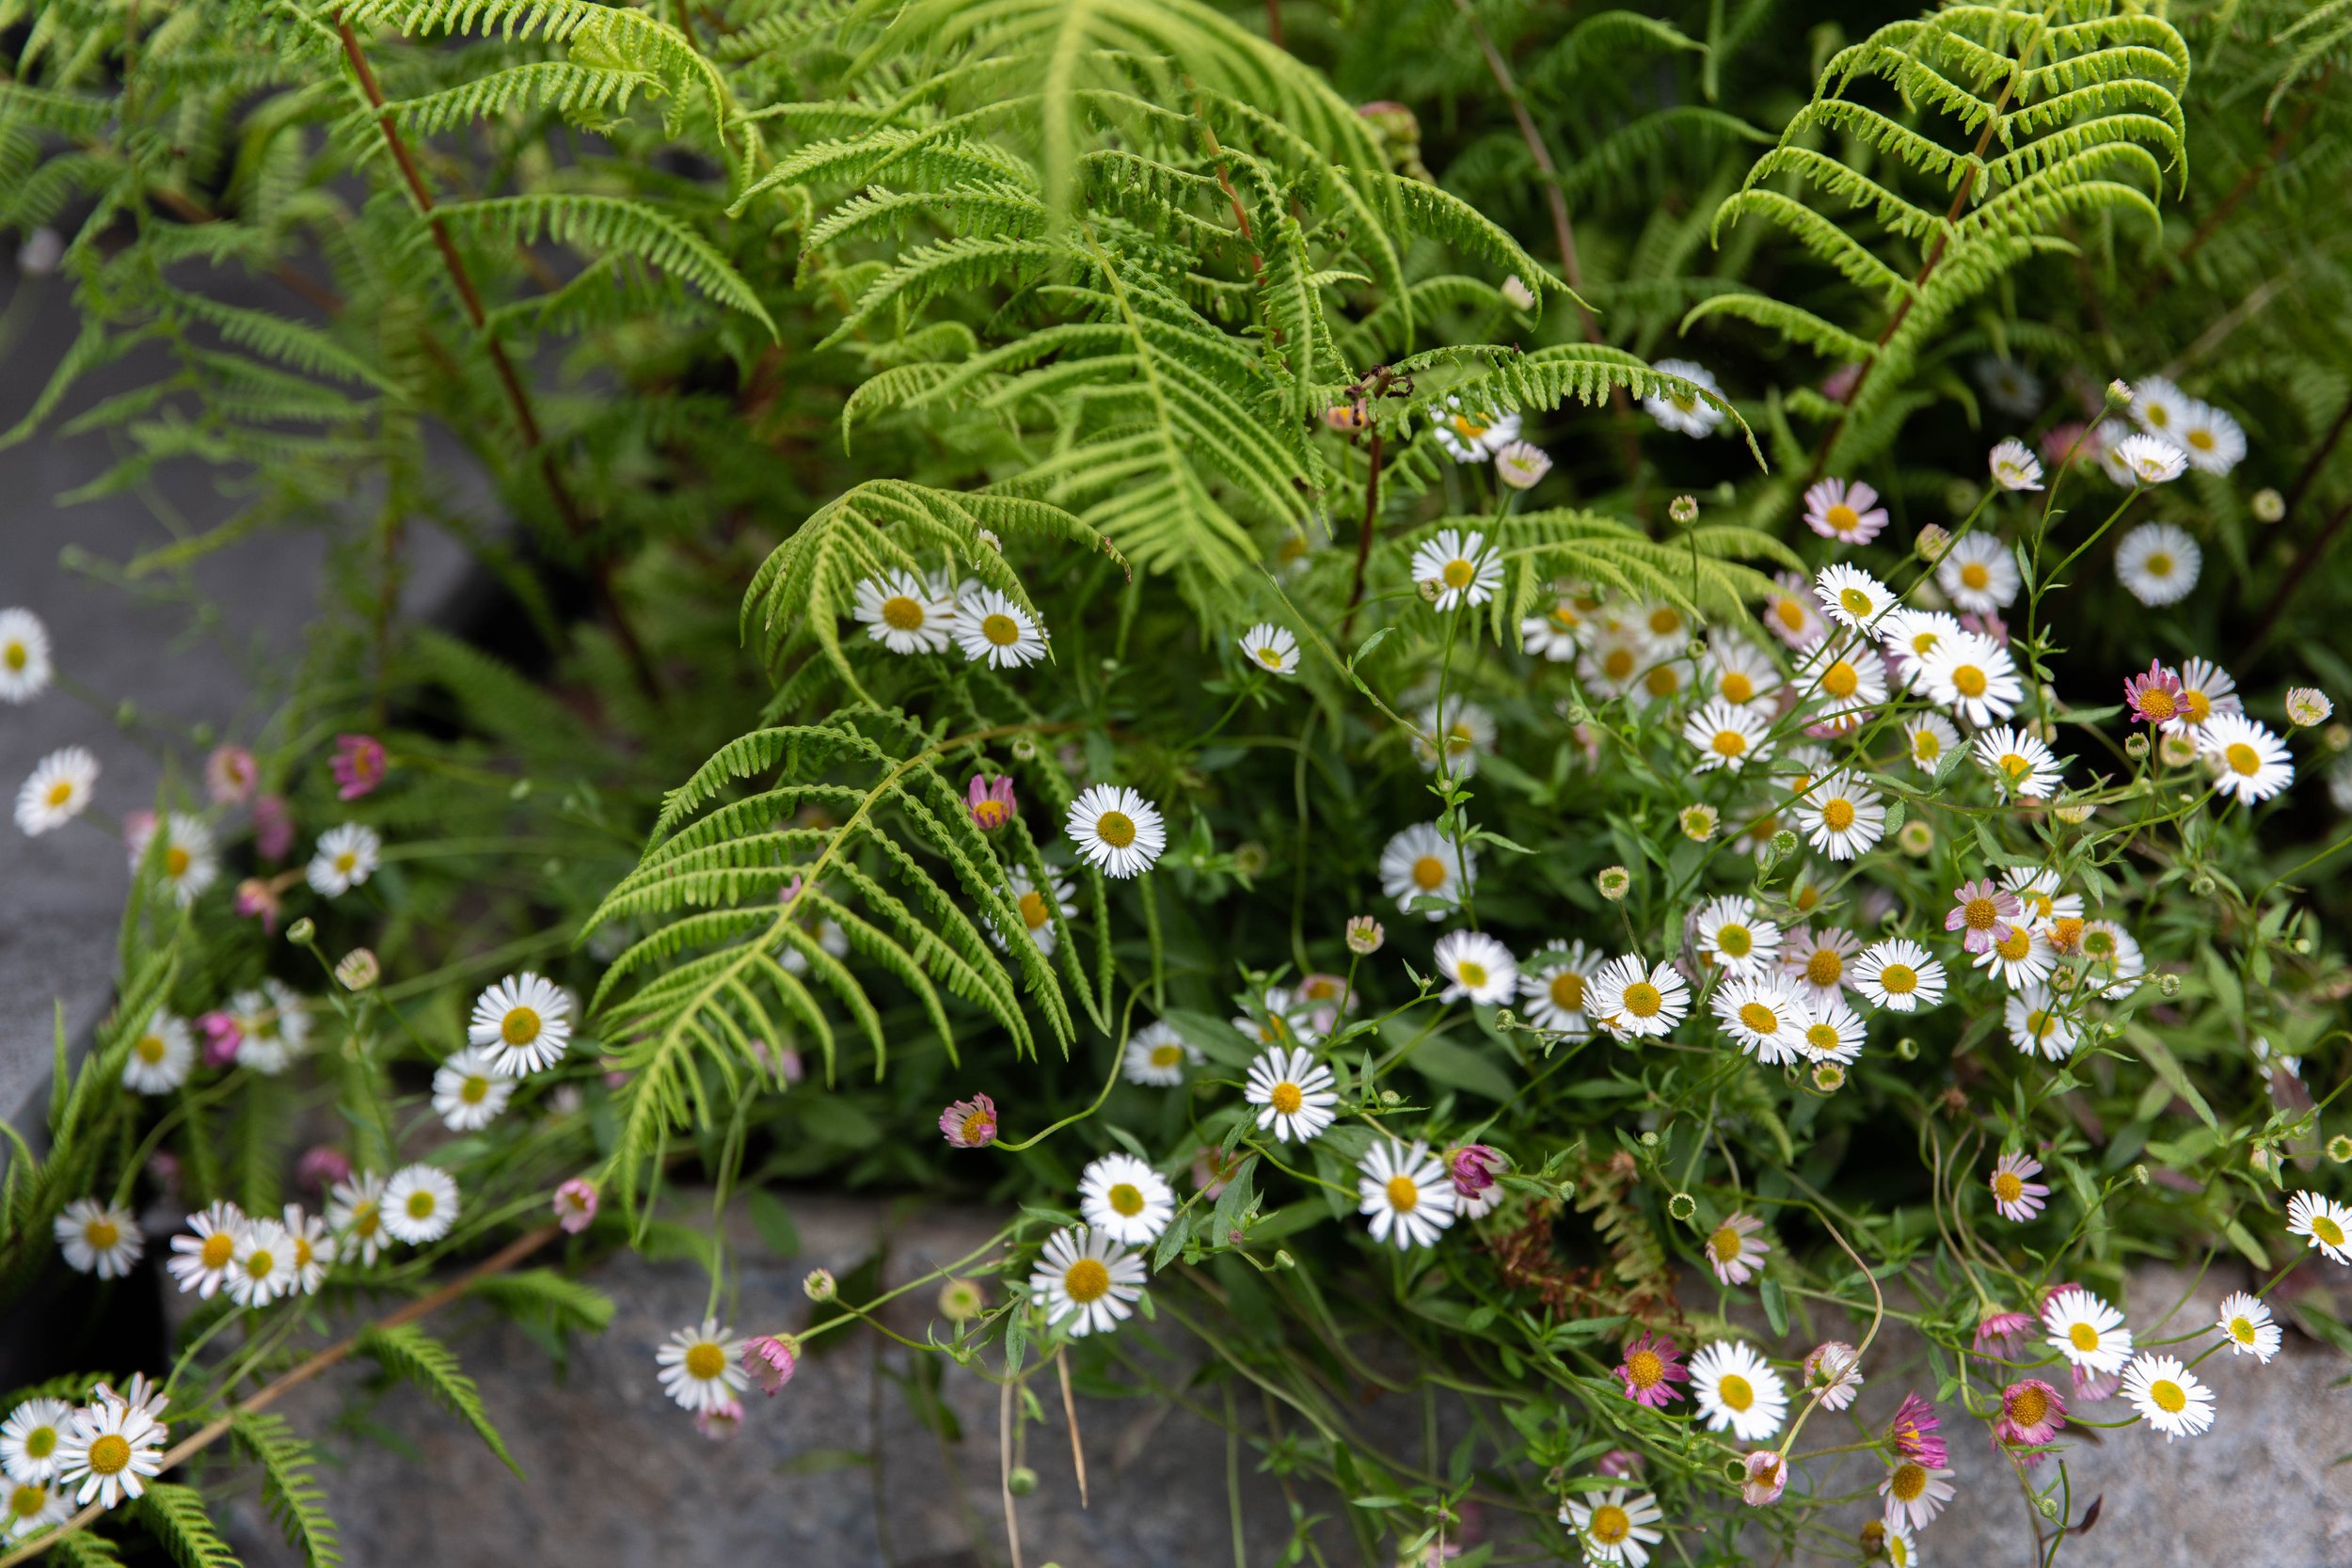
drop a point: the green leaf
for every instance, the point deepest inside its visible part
(1454, 1066)
(773, 1222)
(1775, 1303)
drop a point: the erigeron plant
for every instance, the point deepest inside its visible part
(1373, 721)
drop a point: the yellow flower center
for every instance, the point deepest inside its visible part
(976, 1127)
(2082, 1336)
(347, 863)
(1805, 897)
(1976, 575)
(473, 1091)
(1734, 1392)
(1088, 1280)
(1663, 680)
(2169, 1396)
(1167, 1055)
(2159, 565)
(1642, 1000)
(1725, 1244)
(261, 1263)
(1458, 573)
(1925, 747)
(519, 1027)
(1568, 991)
(2157, 703)
(901, 613)
(110, 1455)
(2159, 416)
(1034, 910)
(1271, 657)
(28, 1499)
(1899, 979)
(1404, 1194)
(2243, 759)
(1286, 1098)
(2014, 765)
(1792, 614)
(1908, 1482)
(1617, 664)
(1821, 1039)
(42, 1441)
(1969, 681)
(1116, 828)
(421, 1205)
(1734, 941)
(16, 655)
(704, 1361)
(1645, 1367)
(1469, 428)
(1838, 815)
(1000, 630)
(1824, 968)
(1855, 602)
(1759, 1018)
(102, 1234)
(1126, 1198)
(2202, 439)
(1472, 974)
(150, 1049)
(176, 863)
(1611, 1525)
(365, 1220)
(1728, 743)
(1736, 687)
(2008, 1186)
(60, 792)
(2242, 1330)
(2029, 1406)
(218, 1248)
(2195, 705)
(1841, 680)
(2326, 1230)
(1429, 872)
(2015, 945)
(303, 1252)
(1843, 519)
(1666, 621)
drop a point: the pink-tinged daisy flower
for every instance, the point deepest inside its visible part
(1832, 1370)
(720, 1421)
(273, 827)
(1735, 1249)
(970, 1123)
(575, 1205)
(1651, 1370)
(769, 1359)
(1913, 1434)
(1914, 1495)
(2002, 1335)
(2093, 1386)
(1618, 1464)
(1791, 611)
(1474, 1168)
(1849, 514)
(2031, 1413)
(2155, 697)
(230, 775)
(2014, 1193)
(1766, 1476)
(989, 801)
(358, 764)
(321, 1166)
(1985, 912)
(2071, 440)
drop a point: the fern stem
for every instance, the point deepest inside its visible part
(1363, 536)
(2238, 193)
(333, 1355)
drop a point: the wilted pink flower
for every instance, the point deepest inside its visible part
(769, 1359)
(164, 1166)
(2017, 1198)
(989, 801)
(1982, 912)
(2092, 1388)
(970, 1123)
(321, 1166)
(1766, 1476)
(229, 774)
(720, 1422)
(138, 828)
(1475, 1167)
(258, 900)
(576, 1204)
(1212, 1169)
(1651, 1370)
(1840, 384)
(358, 764)
(1913, 1433)
(1985, 624)
(221, 1039)
(1618, 1463)
(2003, 1334)
(1834, 1368)
(2031, 1411)
(2155, 697)
(273, 827)
(2061, 441)
(788, 1065)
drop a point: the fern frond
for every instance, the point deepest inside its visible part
(175, 1516)
(586, 95)
(409, 1354)
(289, 1488)
(612, 223)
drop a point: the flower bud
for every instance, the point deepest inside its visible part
(1683, 1206)
(2269, 506)
(1932, 542)
(1020, 1481)
(962, 1300)
(2135, 747)
(1365, 935)
(1614, 882)
(1698, 822)
(2119, 392)
(2308, 708)
(357, 970)
(820, 1285)
(2340, 1147)
(302, 933)
(1684, 510)
(2168, 984)
(1828, 1077)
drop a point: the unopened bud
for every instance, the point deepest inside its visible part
(1683, 1206)
(359, 970)
(2269, 506)
(1365, 935)
(820, 1285)
(302, 933)
(1614, 882)
(1932, 542)
(1684, 510)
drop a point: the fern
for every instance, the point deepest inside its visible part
(409, 1354)
(613, 225)
(289, 1488)
(175, 1516)
(546, 1297)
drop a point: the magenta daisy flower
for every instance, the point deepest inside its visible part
(358, 764)
(1849, 514)
(1912, 1431)
(1766, 1476)
(1983, 912)
(990, 802)
(770, 1359)
(970, 1123)
(1649, 1370)
(2002, 1335)
(2155, 697)
(2031, 1413)
(2014, 1193)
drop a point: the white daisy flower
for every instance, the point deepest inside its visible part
(1615, 1528)
(1125, 1199)
(187, 860)
(1117, 830)
(111, 1454)
(1763, 1014)
(2115, 960)
(25, 669)
(2247, 759)
(2037, 1026)
(1846, 676)
(1087, 1278)
(1556, 985)
(2086, 1331)
(2159, 563)
(2324, 1222)
(1841, 817)
(1848, 514)
(989, 625)
(30, 1437)
(2014, 467)
(2158, 406)
(1738, 671)
(1902, 1547)
(2101, 445)
(98, 1237)
(1833, 1032)
(2019, 763)
(1899, 976)
(1914, 1495)
(1295, 1093)
(1521, 465)
(313, 1248)
(1555, 634)
(1733, 936)
(1684, 413)
(1631, 1001)
(2211, 440)
(1930, 739)
(346, 857)
(160, 1060)
(1476, 966)
(2023, 958)
(904, 614)
(1977, 574)
(419, 1204)
(263, 1268)
(59, 790)
(1271, 648)
(2245, 1322)
(701, 1368)
(354, 1212)
(1728, 736)
(1615, 660)
(1460, 567)
(1735, 1390)
(1157, 1056)
(2038, 894)
(1852, 597)
(273, 1024)
(524, 1022)
(2167, 1396)
(2012, 390)
(1468, 731)
(1407, 1192)
(468, 1091)
(1909, 636)
(1037, 906)
(2206, 688)
(1421, 863)
(28, 1507)
(1282, 1017)
(2150, 459)
(200, 1262)
(1815, 959)
(1973, 677)
(1472, 435)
